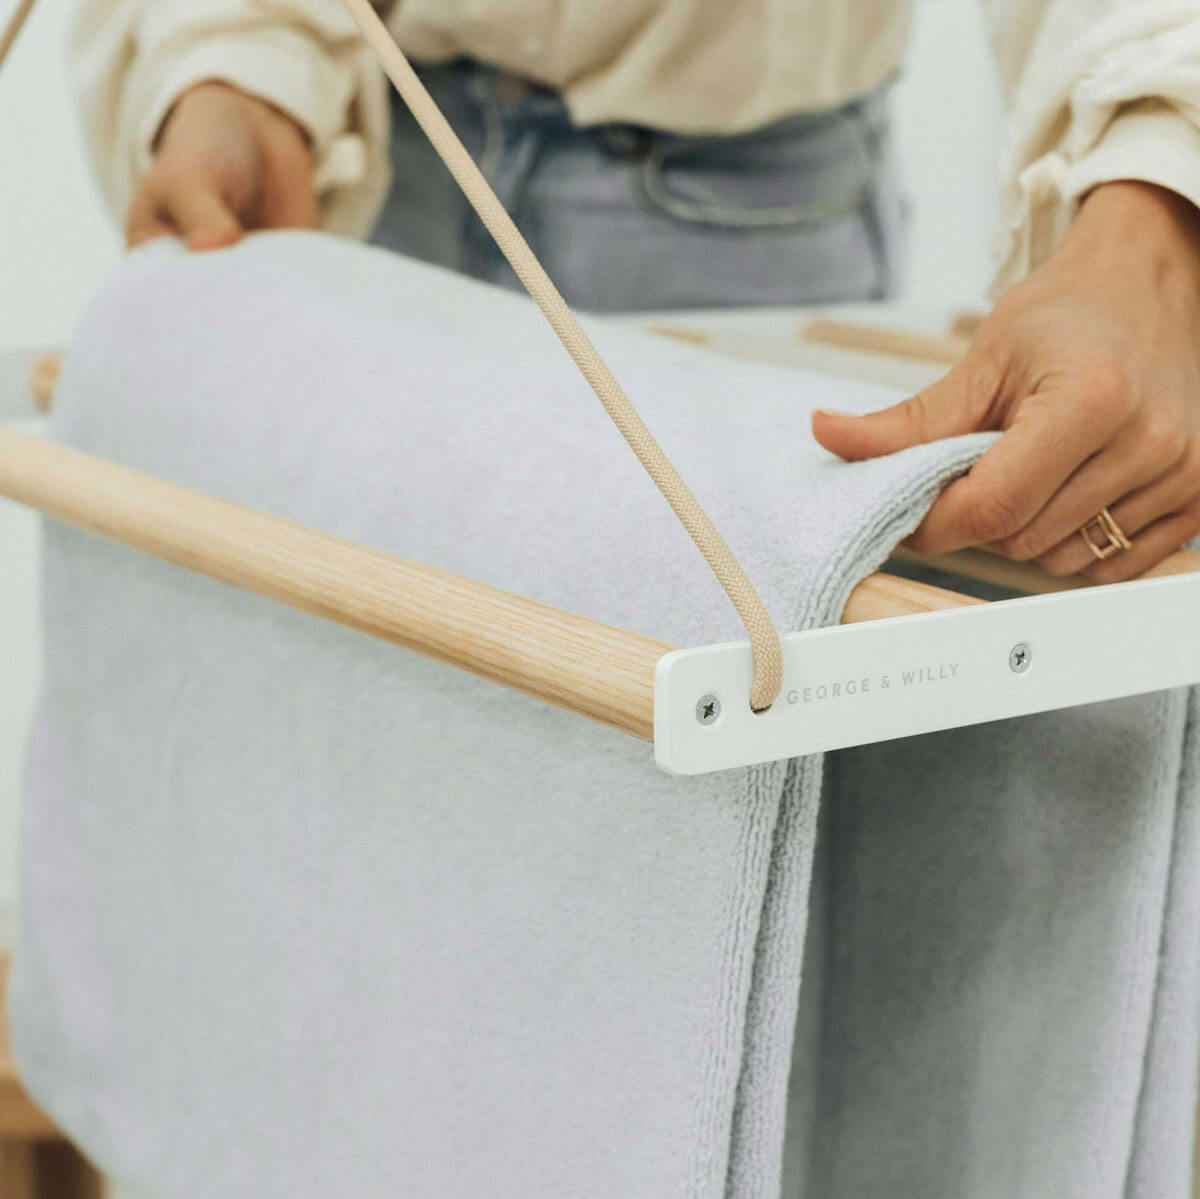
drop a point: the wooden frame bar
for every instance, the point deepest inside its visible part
(585, 665)
(945, 350)
(1028, 577)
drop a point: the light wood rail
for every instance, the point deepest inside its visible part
(1028, 577)
(575, 662)
(584, 665)
(945, 349)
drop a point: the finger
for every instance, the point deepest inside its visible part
(199, 212)
(148, 231)
(1015, 479)
(958, 403)
(1171, 493)
(144, 222)
(1118, 470)
(292, 207)
(1150, 547)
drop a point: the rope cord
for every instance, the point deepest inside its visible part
(13, 28)
(764, 640)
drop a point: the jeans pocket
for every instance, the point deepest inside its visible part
(806, 170)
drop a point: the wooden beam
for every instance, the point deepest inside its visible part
(896, 343)
(18, 1170)
(966, 322)
(1028, 577)
(584, 665)
(43, 380)
(880, 596)
(581, 664)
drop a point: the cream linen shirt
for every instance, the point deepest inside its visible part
(1099, 89)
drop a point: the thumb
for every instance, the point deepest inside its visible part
(953, 405)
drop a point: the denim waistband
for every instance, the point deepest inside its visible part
(839, 148)
(514, 99)
(802, 208)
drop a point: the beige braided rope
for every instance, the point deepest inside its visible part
(764, 640)
(9, 36)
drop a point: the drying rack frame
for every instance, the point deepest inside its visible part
(908, 657)
(617, 677)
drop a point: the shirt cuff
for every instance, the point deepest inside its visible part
(320, 93)
(1149, 141)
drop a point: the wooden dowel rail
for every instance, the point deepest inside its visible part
(584, 665)
(944, 349)
(1028, 577)
(575, 662)
(43, 379)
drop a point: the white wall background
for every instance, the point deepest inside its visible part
(949, 126)
(56, 243)
(55, 240)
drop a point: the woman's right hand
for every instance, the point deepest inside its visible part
(224, 163)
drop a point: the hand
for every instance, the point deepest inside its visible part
(1091, 367)
(224, 163)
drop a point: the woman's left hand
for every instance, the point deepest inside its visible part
(1091, 367)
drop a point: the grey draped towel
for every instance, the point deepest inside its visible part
(305, 915)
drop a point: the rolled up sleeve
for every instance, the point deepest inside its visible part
(1100, 91)
(134, 58)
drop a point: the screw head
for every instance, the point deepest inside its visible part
(708, 709)
(1019, 657)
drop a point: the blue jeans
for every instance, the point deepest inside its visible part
(623, 218)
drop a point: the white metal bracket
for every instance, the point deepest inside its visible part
(875, 681)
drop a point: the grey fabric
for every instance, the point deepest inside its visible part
(807, 209)
(1007, 973)
(306, 915)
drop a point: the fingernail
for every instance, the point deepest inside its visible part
(833, 412)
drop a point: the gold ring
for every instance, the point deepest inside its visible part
(1114, 537)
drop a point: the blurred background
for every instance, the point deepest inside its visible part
(57, 242)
